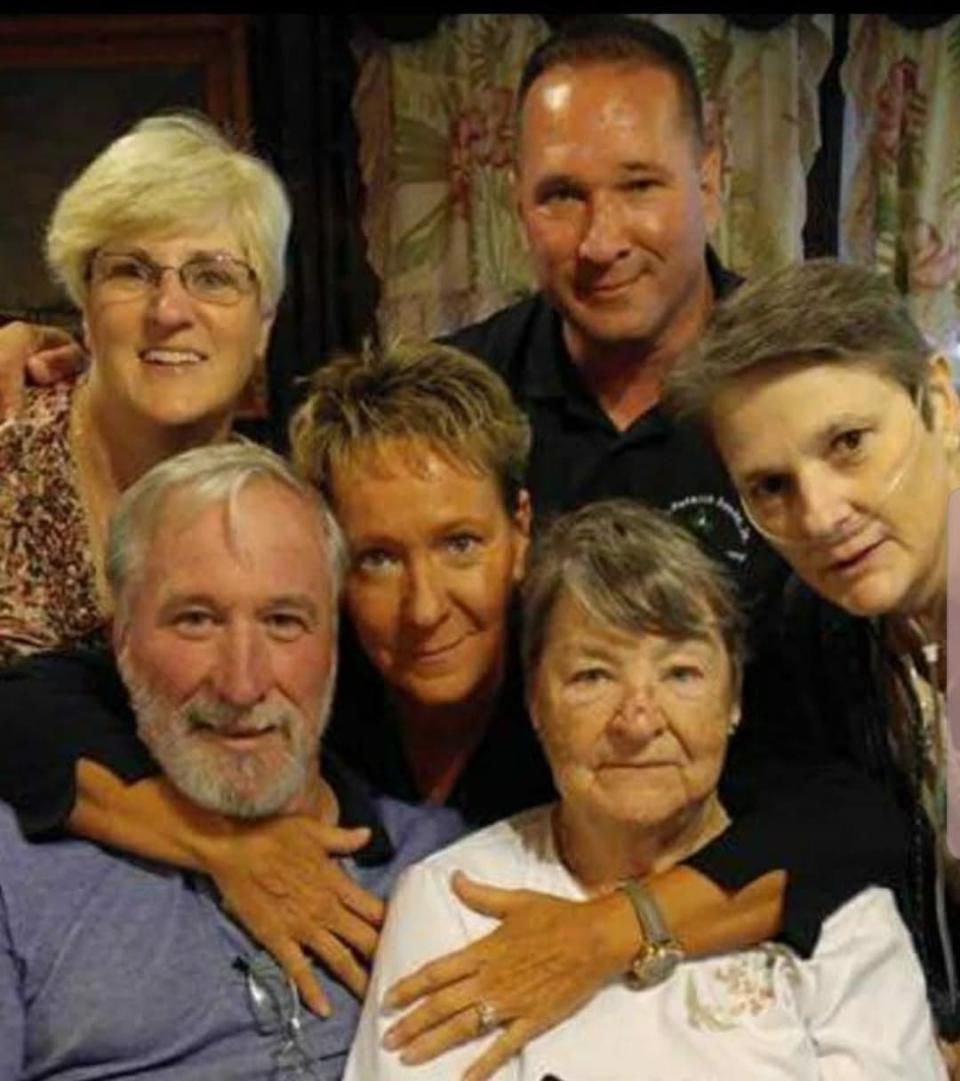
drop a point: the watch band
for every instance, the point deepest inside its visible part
(660, 952)
(648, 913)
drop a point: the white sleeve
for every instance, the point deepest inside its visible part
(867, 1008)
(424, 921)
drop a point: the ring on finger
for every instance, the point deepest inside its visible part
(486, 1017)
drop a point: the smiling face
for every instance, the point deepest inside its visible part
(634, 726)
(166, 357)
(836, 457)
(616, 200)
(434, 559)
(229, 653)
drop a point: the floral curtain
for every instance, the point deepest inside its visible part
(435, 120)
(761, 97)
(900, 200)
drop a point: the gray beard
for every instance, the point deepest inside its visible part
(234, 783)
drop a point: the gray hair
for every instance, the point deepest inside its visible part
(810, 312)
(208, 475)
(166, 173)
(634, 568)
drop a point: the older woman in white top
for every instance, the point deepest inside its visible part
(632, 652)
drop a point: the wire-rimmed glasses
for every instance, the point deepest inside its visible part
(275, 1005)
(215, 278)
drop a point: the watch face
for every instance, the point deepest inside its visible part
(658, 965)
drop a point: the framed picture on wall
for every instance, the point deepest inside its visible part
(71, 84)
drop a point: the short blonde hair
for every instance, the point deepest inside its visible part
(168, 172)
(417, 391)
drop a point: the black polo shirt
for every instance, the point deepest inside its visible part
(579, 456)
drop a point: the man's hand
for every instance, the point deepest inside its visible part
(34, 354)
(278, 879)
(547, 958)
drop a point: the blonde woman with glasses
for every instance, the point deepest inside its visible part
(171, 244)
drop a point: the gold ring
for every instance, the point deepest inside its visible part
(486, 1017)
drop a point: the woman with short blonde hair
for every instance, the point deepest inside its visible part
(171, 243)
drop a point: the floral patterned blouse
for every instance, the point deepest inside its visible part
(48, 592)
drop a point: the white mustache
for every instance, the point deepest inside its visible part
(226, 718)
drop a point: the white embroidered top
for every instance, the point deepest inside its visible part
(855, 1011)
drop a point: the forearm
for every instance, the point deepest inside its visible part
(148, 818)
(702, 916)
(706, 919)
(57, 709)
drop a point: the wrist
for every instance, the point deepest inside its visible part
(660, 953)
(618, 935)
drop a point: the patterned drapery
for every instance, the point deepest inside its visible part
(436, 131)
(435, 120)
(761, 98)
(900, 202)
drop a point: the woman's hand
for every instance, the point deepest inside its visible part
(279, 878)
(36, 354)
(547, 958)
(951, 1056)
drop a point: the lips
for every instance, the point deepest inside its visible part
(172, 358)
(654, 763)
(437, 653)
(853, 560)
(606, 290)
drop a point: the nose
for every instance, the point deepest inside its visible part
(603, 241)
(243, 675)
(426, 600)
(170, 303)
(823, 508)
(638, 718)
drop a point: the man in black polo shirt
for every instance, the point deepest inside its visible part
(617, 189)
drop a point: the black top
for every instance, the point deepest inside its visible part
(579, 456)
(845, 671)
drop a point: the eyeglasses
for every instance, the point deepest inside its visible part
(872, 465)
(275, 1005)
(215, 279)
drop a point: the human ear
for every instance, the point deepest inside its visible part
(522, 519)
(710, 185)
(734, 723)
(944, 415)
(263, 333)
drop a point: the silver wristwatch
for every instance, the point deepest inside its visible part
(660, 952)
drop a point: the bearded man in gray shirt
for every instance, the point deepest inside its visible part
(225, 571)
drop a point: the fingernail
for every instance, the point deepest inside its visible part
(390, 1040)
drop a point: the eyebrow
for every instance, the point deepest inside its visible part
(701, 641)
(299, 601)
(195, 253)
(640, 167)
(818, 438)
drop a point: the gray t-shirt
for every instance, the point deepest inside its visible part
(114, 967)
